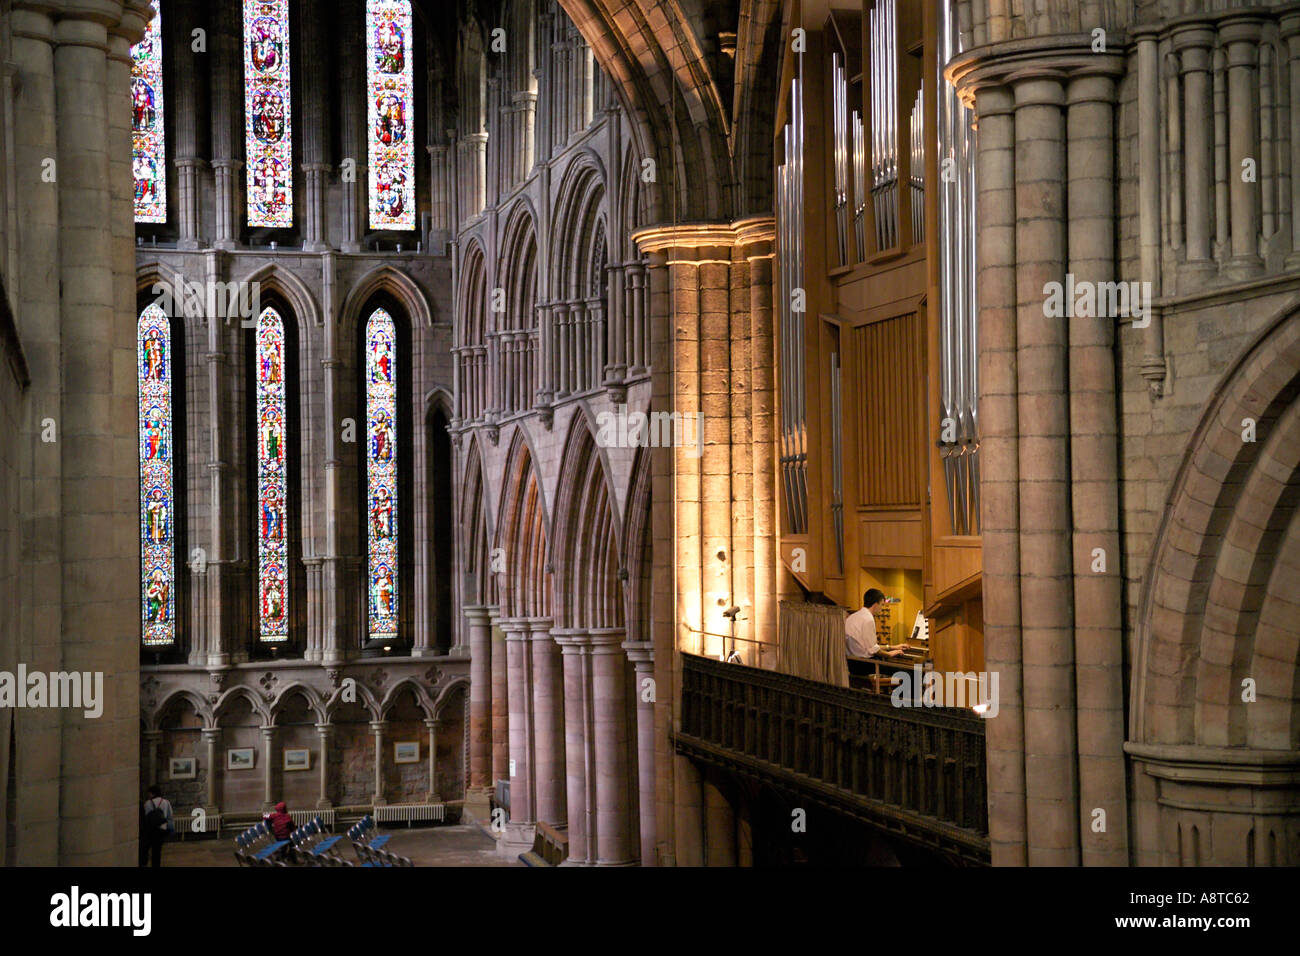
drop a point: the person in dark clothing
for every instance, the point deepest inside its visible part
(155, 824)
(280, 822)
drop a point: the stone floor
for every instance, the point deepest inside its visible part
(459, 845)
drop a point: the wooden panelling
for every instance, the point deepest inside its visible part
(888, 411)
(956, 561)
(890, 540)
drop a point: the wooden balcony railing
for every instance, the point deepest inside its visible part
(917, 773)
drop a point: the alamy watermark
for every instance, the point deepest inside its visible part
(922, 688)
(62, 689)
(1083, 299)
(218, 300)
(623, 429)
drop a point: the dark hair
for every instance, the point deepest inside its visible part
(154, 791)
(872, 596)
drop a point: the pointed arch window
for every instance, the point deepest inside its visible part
(148, 148)
(272, 480)
(268, 128)
(157, 479)
(389, 95)
(381, 475)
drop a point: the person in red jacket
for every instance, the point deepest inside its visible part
(280, 822)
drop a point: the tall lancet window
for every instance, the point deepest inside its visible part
(272, 480)
(148, 149)
(381, 473)
(389, 93)
(268, 133)
(157, 479)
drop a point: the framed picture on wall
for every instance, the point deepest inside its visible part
(297, 760)
(406, 751)
(239, 758)
(183, 768)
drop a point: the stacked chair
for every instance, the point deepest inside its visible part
(257, 846)
(313, 847)
(368, 843)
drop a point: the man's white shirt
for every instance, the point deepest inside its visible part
(860, 633)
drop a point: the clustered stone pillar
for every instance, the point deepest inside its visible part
(1049, 507)
(520, 731)
(609, 720)
(186, 114)
(548, 723)
(480, 699)
(578, 738)
(1240, 34)
(642, 656)
(1051, 761)
(211, 737)
(227, 147)
(1094, 493)
(268, 769)
(995, 171)
(324, 732)
(377, 727)
(1193, 42)
(500, 700)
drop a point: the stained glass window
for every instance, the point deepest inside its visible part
(268, 135)
(272, 480)
(389, 93)
(148, 150)
(157, 501)
(381, 473)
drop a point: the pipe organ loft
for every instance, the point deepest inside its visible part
(745, 433)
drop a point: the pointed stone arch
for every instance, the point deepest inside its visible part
(471, 330)
(365, 699)
(238, 692)
(274, 278)
(579, 217)
(587, 556)
(405, 684)
(525, 585)
(479, 584)
(384, 278)
(201, 708)
(299, 689)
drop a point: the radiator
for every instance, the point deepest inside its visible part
(408, 813)
(183, 821)
(302, 817)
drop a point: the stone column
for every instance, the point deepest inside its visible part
(227, 127)
(223, 567)
(578, 741)
(432, 796)
(95, 622)
(559, 352)
(480, 699)
(642, 656)
(377, 727)
(352, 126)
(1290, 29)
(1193, 42)
(548, 723)
(519, 832)
(995, 171)
(268, 769)
(1051, 759)
(211, 735)
(609, 699)
(186, 113)
(324, 732)
(1240, 34)
(315, 165)
(500, 702)
(1094, 458)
